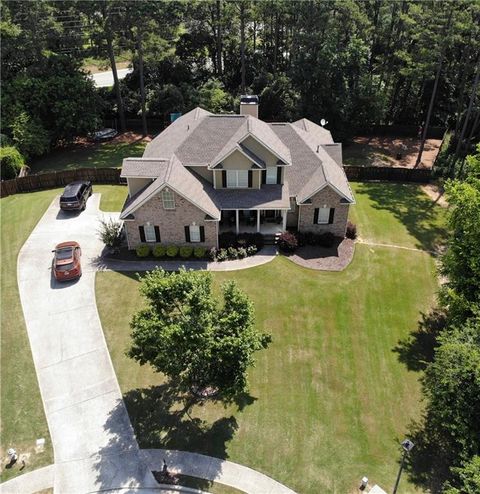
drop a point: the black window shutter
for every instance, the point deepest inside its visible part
(279, 175)
(187, 234)
(202, 234)
(315, 217)
(264, 176)
(157, 234)
(250, 178)
(332, 214)
(142, 233)
(224, 178)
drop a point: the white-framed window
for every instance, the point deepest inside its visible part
(237, 178)
(194, 233)
(271, 175)
(168, 199)
(149, 233)
(323, 216)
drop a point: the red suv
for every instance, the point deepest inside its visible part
(66, 261)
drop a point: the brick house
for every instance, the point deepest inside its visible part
(205, 174)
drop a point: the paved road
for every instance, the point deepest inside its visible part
(105, 79)
(94, 443)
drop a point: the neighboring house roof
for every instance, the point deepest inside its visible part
(174, 175)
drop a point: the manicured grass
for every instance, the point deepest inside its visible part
(330, 399)
(22, 416)
(399, 214)
(104, 155)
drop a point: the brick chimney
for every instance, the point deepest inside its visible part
(249, 105)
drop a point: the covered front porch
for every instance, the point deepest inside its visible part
(266, 221)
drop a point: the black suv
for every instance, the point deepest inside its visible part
(75, 195)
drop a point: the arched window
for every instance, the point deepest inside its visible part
(168, 199)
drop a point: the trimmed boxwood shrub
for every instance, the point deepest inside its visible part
(287, 242)
(221, 255)
(351, 230)
(142, 250)
(232, 253)
(186, 251)
(159, 250)
(199, 252)
(172, 251)
(242, 252)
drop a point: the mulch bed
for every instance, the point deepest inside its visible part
(335, 258)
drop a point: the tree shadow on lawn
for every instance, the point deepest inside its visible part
(428, 463)
(161, 420)
(160, 416)
(418, 349)
(412, 208)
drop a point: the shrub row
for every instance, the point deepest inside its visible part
(232, 253)
(231, 239)
(171, 251)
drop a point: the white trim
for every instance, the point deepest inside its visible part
(236, 148)
(214, 179)
(327, 184)
(266, 146)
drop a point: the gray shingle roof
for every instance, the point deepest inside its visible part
(143, 167)
(181, 180)
(268, 197)
(199, 137)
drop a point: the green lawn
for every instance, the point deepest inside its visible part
(330, 399)
(399, 214)
(22, 415)
(104, 155)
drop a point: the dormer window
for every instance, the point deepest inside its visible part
(168, 199)
(237, 179)
(271, 175)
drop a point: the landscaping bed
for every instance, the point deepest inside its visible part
(334, 258)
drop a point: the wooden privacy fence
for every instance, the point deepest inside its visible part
(59, 179)
(112, 176)
(388, 174)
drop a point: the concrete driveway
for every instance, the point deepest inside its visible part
(93, 440)
(94, 444)
(105, 79)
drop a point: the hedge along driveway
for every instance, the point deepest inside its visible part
(22, 416)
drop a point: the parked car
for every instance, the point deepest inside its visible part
(75, 195)
(66, 261)
(103, 135)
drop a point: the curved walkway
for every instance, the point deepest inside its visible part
(94, 443)
(266, 255)
(30, 482)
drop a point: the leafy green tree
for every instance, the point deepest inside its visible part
(468, 478)
(11, 162)
(185, 333)
(29, 135)
(162, 100)
(214, 98)
(461, 262)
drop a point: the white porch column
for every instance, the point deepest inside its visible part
(237, 221)
(258, 220)
(284, 226)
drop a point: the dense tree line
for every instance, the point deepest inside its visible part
(447, 455)
(353, 62)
